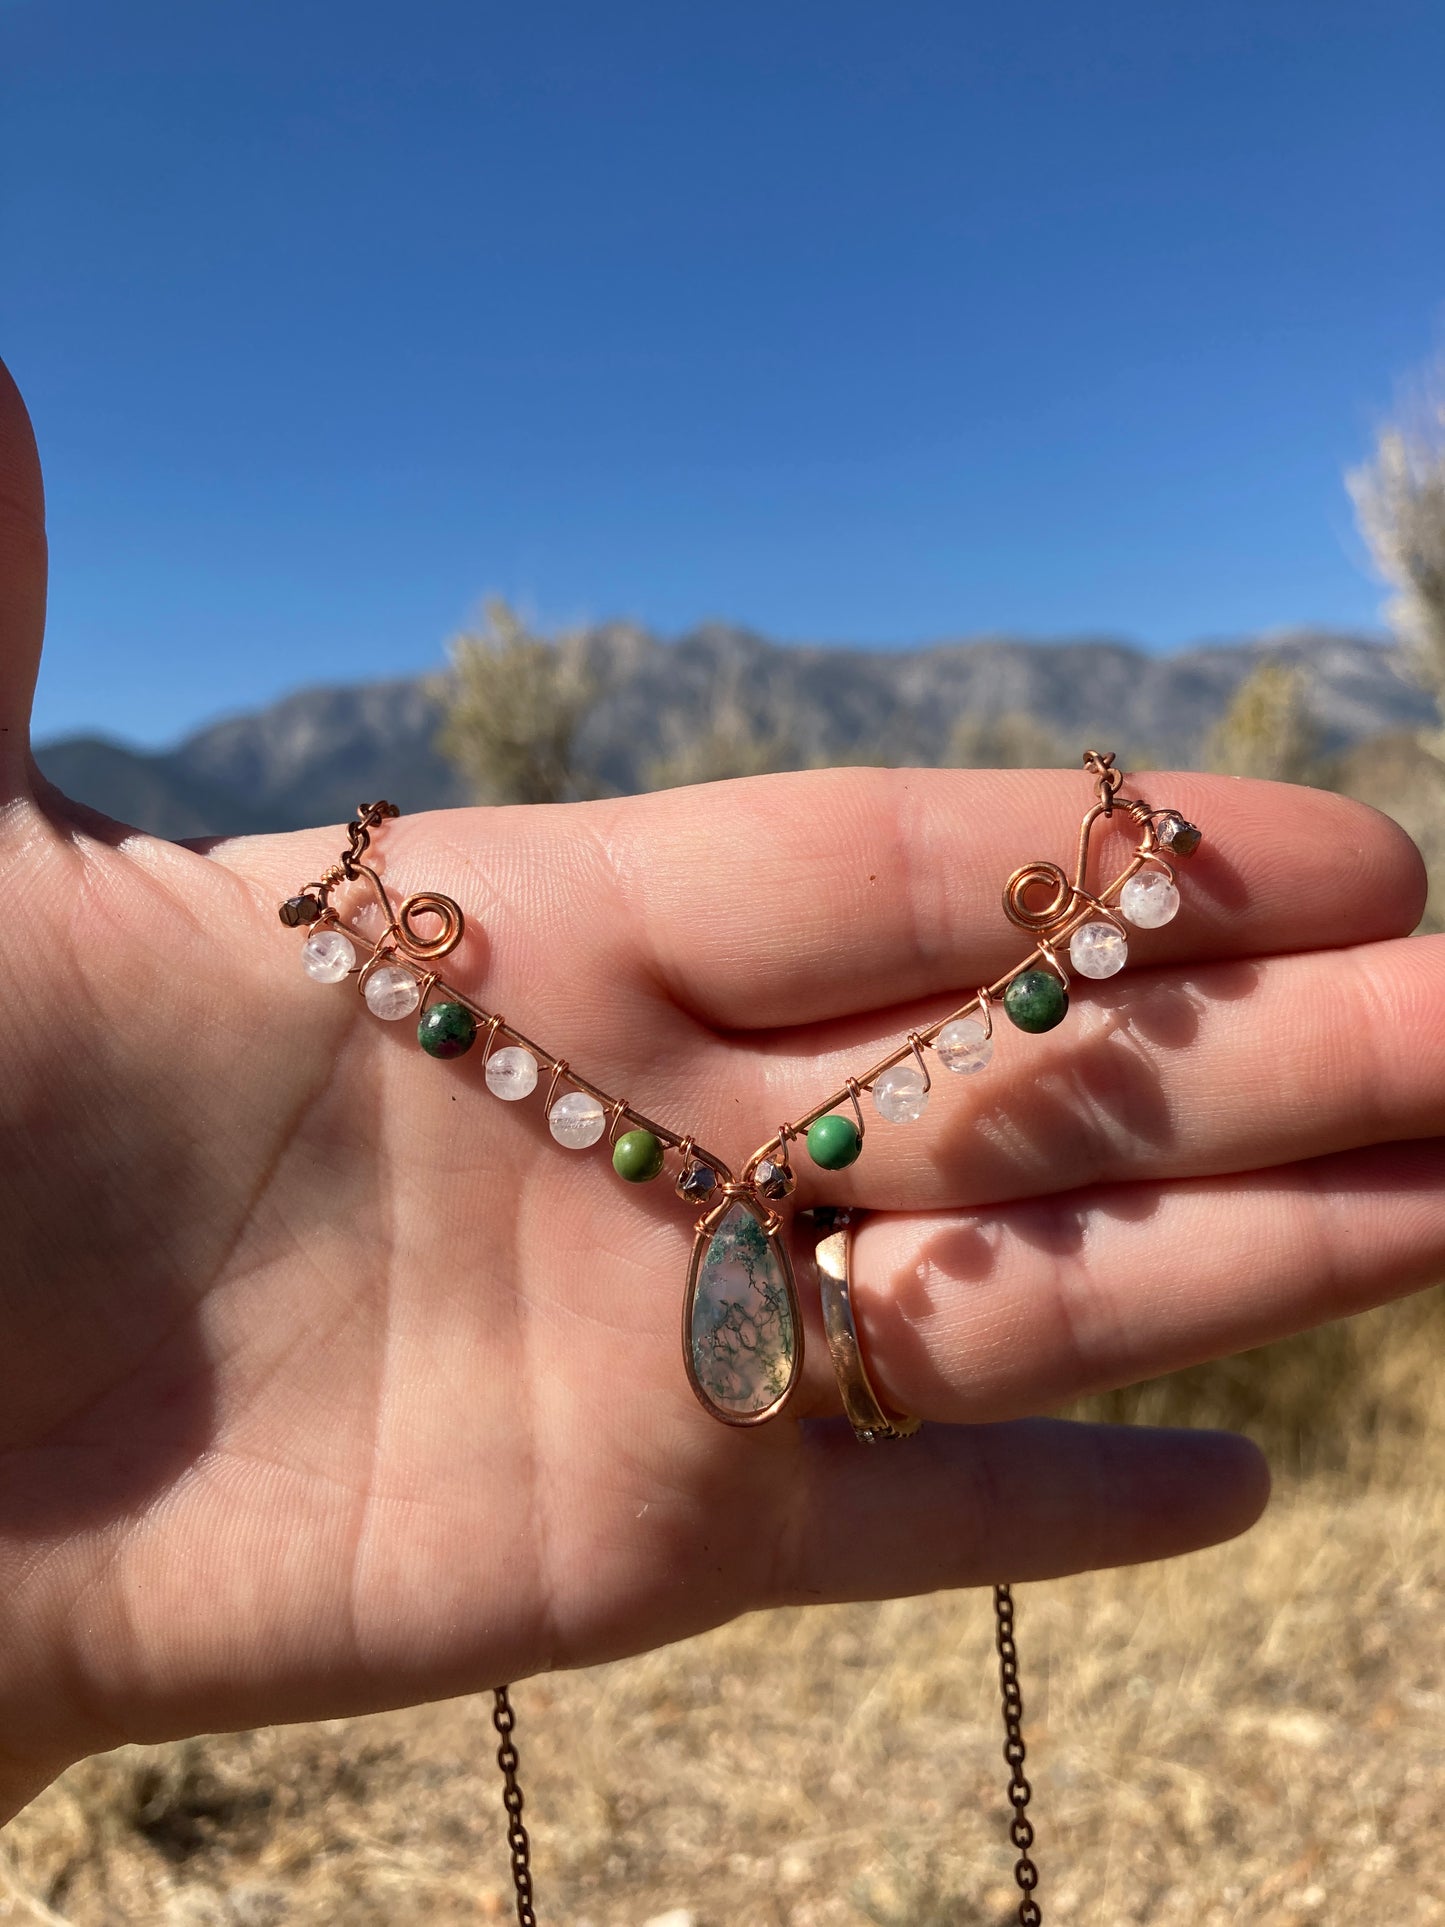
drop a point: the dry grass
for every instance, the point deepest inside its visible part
(1253, 1735)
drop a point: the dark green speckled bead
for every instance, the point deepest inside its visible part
(1036, 1000)
(446, 1030)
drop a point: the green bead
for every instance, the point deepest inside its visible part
(446, 1030)
(637, 1156)
(833, 1141)
(1036, 1000)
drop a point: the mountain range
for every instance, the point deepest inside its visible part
(312, 756)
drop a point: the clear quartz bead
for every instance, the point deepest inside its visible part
(391, 992)
(511, 1073)
(964, 1045)
(327, 955)
(1149, 900)
(900, 1095)
(1098, 949)
(576, 1120)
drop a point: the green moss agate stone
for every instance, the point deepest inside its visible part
(833, 1141)
(1036, 1000)
(446, 1030)
(741, 1332)
(637, 1156)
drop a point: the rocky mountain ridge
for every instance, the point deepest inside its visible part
(311, 756)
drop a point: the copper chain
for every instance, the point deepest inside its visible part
(504, 1719)
(1021, 1830)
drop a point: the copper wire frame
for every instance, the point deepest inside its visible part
(1069, 903)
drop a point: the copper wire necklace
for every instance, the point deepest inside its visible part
(742, 1327)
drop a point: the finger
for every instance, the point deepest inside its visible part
(988, 1315)
(787, 899)
(970, 1505)
(1176, 1073)
(22, 583)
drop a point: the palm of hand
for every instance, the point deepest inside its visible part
(344, 1364)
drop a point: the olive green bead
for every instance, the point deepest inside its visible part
(833, 1141)
(637, 1156)
(1036, 1000)
(446, 1030)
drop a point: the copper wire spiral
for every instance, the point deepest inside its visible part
(1034, 877)
(430, 903)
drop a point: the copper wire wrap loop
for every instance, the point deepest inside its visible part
(915, 1039)
(1050, 956)
(382, 954)
(1100, 763)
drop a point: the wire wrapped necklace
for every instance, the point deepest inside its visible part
(742, 1325)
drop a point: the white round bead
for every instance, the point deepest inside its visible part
(577, 1120)
(964, 1045)
(1098, 949)
(900, 1094)
(511, 1073)
(1149, 900)
(327, 955)
(391, 992)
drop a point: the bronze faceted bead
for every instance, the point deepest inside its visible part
(773, 1179)
(696, 1184)
(1177, 836)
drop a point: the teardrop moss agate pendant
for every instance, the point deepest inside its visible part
(742, 1335)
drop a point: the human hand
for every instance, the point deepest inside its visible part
(331, 1383)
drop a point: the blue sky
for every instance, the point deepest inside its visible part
(847, 322)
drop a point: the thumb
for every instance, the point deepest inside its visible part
(22, 584)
